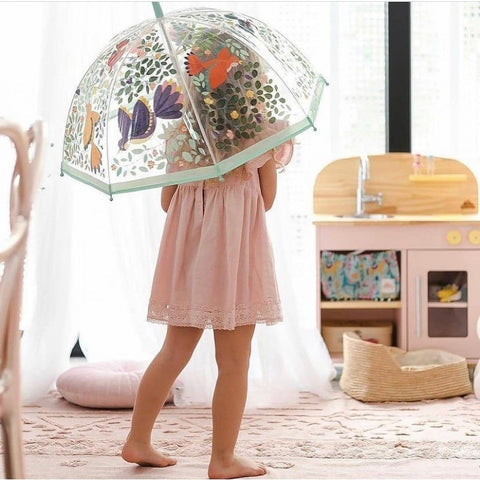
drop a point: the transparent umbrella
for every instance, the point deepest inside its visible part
(187, 96)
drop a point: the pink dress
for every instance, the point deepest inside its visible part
(215, 266)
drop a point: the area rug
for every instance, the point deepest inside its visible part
(335, 438)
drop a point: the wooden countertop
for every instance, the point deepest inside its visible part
(396, 219)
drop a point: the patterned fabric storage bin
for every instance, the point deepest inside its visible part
(360, 275)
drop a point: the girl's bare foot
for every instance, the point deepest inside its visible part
(237, 468)
(145, 455)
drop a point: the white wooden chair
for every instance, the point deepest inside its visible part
(12, 256)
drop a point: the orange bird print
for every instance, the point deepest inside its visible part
(91, 119)
(117, 54)
(219, 66)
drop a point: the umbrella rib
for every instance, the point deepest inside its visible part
(187, 91)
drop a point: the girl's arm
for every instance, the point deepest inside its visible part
(268, 182)
(167, 194)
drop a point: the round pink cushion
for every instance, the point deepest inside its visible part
(102, 385)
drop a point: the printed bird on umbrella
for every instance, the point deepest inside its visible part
(218, 67)
(91, 120)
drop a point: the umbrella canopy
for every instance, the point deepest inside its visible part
(184, 97)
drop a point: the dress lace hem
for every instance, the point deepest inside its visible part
(268, 312)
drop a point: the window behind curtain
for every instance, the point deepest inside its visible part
(357, 62)
(446, 80)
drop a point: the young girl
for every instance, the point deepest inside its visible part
(215, 269)
(215, 266)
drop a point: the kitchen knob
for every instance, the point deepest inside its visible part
(474, 237)
(454, 237)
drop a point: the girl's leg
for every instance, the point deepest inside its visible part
(154, 387)
(232, 349)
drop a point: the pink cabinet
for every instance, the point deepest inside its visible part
(432, 255)
(433, 323)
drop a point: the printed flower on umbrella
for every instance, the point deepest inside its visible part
(168, 101)
(139, 126)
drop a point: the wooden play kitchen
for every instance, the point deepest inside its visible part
(398, 253)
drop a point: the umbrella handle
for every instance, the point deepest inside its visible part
(157, 9)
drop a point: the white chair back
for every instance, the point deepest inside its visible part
(24, 183)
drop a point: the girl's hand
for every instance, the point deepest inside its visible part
(167, 194)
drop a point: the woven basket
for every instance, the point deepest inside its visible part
(376, 373)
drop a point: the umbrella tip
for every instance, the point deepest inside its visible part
(111, 198)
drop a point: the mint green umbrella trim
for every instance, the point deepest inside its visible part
(316, 98)
(193, 175)
(85, 178)
(225, 166)
(264, 146)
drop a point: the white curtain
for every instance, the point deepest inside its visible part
(446, 80)
(91, 261)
